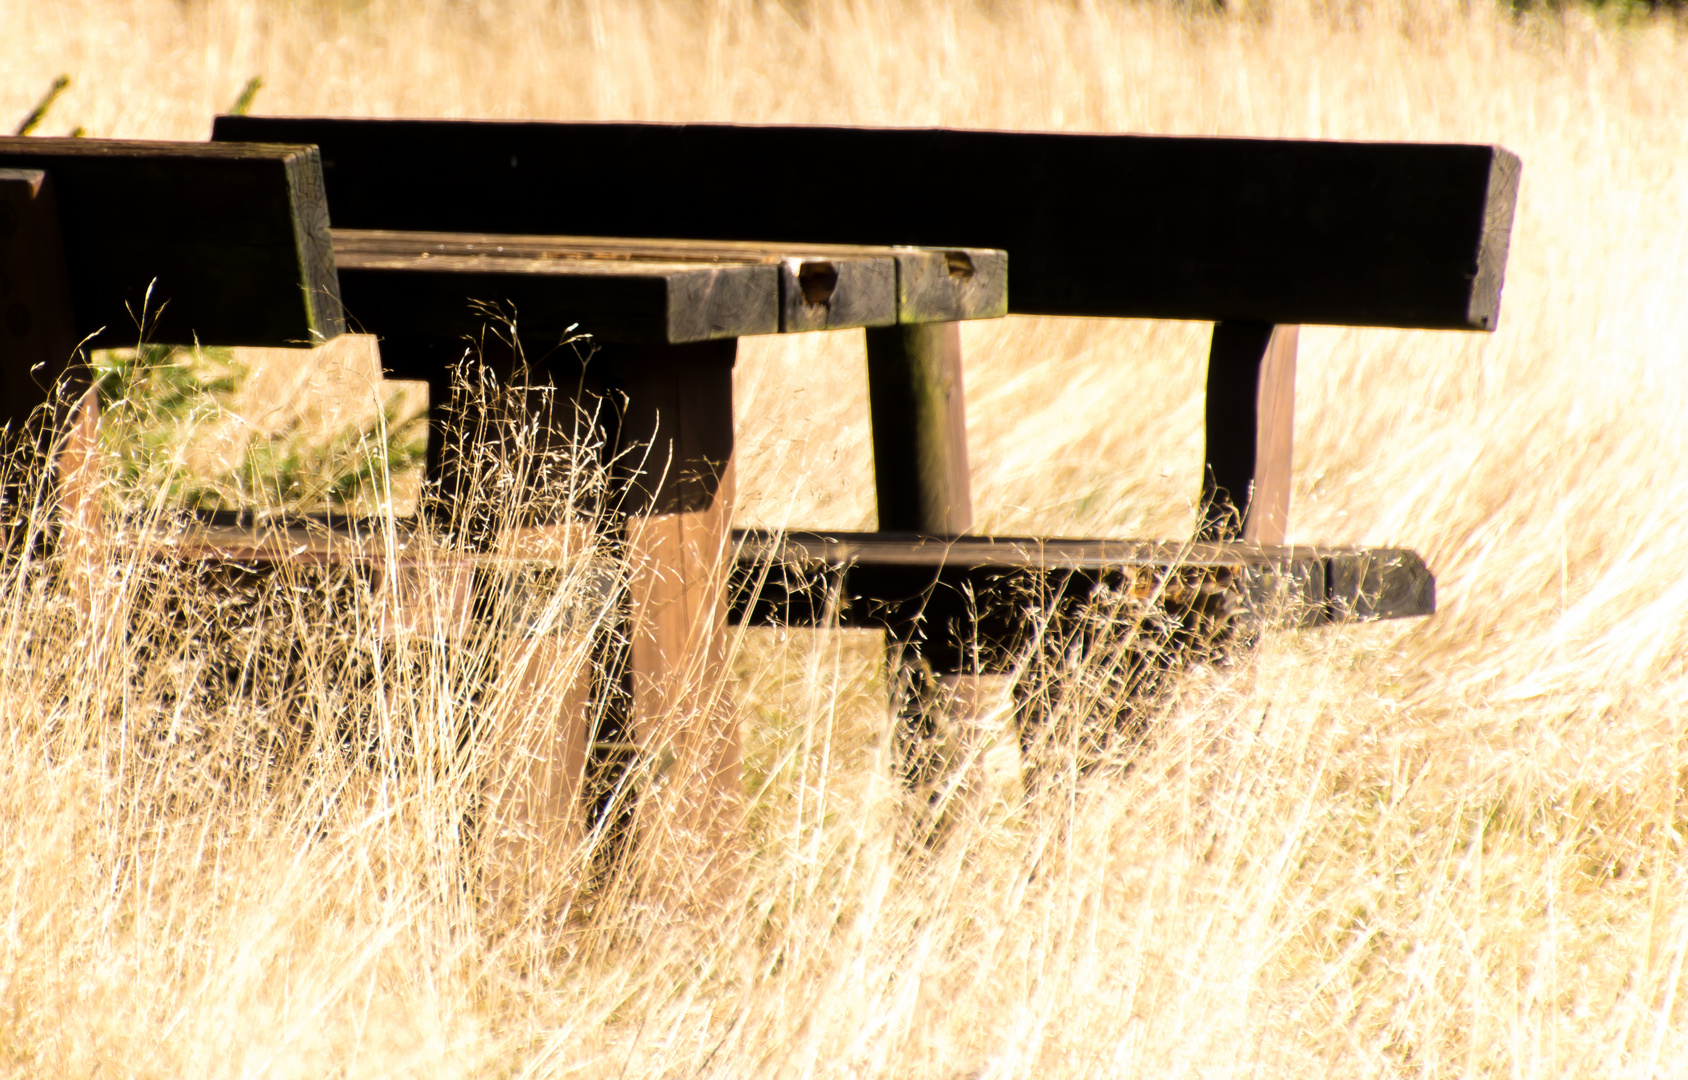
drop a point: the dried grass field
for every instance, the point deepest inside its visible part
(1445, 847)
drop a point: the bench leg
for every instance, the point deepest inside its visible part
(919, 429)
(541, 700)
(1250, 433)
(533, 797)
(674, 468)
(921, 479)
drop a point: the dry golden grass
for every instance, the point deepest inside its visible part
(1448, 847)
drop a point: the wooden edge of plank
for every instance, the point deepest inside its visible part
(1500, 206)
(822, 286)
(79, 146)
(405, 241)
(1362, 584)
(951, 284)
(837, 292)
(1008, 552)
(321, 316)
(722, 302)
(324, 314)
(655, 303)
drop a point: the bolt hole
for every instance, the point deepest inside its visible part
(817, 280)
(960, 264)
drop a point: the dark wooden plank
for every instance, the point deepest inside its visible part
(1288, 231)
(232, 240)
(38, 367)
(975, 602)
(37, 326)
(915, 394)
(1246, 474)
(951, 284)
(837, 292)
(442, 296)
(821, 286)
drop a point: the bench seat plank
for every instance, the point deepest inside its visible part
(797, 578)
(230, 239)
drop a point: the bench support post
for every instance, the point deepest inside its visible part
(919, 429)
(1250, 427)
(921, 478)
(674, 470)
(668, 411)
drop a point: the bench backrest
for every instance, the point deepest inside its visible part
(232, 240)
(1278, 231)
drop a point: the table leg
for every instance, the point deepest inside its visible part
(1250, 433)
(540, 701)
(674, 468)
(919, 429)
(921, 477)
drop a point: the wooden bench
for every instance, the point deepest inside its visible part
(220, 244)
(1256, 236)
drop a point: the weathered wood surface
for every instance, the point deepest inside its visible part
(1284, 231)
(231, 240)
(1246, 474)
(643, 302)
(915, 394)
(970, 602)
(608, 286)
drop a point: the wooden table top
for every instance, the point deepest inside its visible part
(656, 291)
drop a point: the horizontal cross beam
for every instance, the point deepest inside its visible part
(971, 602)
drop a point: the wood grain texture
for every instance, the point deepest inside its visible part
(915, 394)
(1505, 174)
(1250, 412)
(974, 603)
(833, 293)
(1283, 231)
(231, 240)
(951, 284)
(448, 297)
(821, 286)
